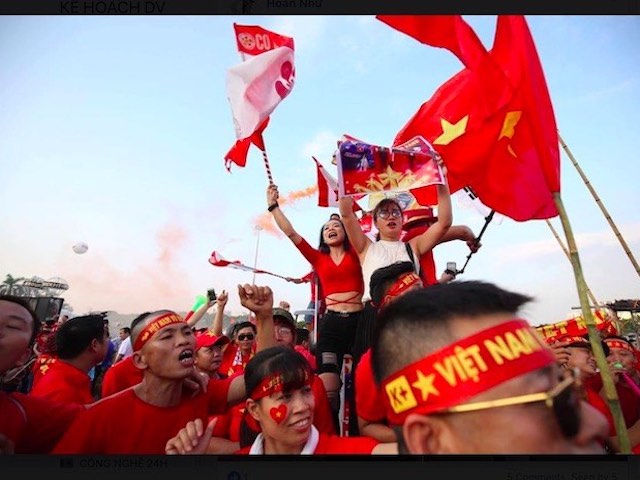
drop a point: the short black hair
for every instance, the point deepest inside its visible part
(302, 334)
(24, 303)
(76, 334)
(383, 278)
(239, 326)
(417, 324)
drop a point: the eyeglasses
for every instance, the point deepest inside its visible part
(384, 214)
(245, 336)
(283, 330)
(564, 400)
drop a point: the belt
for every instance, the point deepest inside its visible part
(343, 313)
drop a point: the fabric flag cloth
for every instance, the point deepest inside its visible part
(327, 186)
(576, 327)
(366, 169)
(493, 122)
(218, 261)
(257, 85)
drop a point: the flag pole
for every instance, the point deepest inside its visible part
(487, 220)
(566, 252)
(586, 181)
(258, 229)
(594, 336)
(266, 165)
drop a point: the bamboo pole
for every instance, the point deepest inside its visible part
(586, 181)
(566, 252)
(594, 336)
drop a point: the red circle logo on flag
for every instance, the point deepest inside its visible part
(247, 41)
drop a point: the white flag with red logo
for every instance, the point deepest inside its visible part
(256, 86)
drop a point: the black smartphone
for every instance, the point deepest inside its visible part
(211, 295)
(451, 267)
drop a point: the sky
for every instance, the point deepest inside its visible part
(113, 131)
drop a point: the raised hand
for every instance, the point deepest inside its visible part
(193, 439)
(272, 195)
(257, 299)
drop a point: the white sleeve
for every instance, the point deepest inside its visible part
(125, 348)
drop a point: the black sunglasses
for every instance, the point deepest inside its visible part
(564, 400)
(245, 336)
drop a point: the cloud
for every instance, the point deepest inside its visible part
(628, 85)
(584, 241)
(322, 146)
(305, 30)
(155, 282)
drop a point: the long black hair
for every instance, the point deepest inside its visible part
(322, 245)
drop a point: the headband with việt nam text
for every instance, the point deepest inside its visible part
(275, 383)
(615, 343)
(152, 328)
(464, 369)
(401, 285)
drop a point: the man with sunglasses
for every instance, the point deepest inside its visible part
(459, 369)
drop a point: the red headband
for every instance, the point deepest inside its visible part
(401, 285)
(464, 369)
(275, 383)
(154, 327)
(615, 343)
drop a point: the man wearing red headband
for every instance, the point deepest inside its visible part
(455, 362)
(622, 358)
(386, 285)
(151, 412)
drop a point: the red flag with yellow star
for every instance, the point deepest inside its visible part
(495, 128)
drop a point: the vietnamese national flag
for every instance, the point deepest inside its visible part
(256, 86)
(493, 122)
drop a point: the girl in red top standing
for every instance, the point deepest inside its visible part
(281, 400)
(340, 275)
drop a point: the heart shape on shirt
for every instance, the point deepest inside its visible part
(278, 413)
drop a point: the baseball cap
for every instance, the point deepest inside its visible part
(208, 339)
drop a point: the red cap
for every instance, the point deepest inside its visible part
(208, 339)
(416, 215)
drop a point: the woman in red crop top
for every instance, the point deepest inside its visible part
(338, 268)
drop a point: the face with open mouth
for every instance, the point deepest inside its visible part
(389, 221)
(333, 233)
(170, 353)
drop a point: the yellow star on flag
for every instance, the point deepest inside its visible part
(511, 119)
(451, 131)
(425, 385)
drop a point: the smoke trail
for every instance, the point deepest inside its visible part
(265, 221)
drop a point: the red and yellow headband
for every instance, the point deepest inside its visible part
(154, 327)
(464, 369)
(275, 383)
(401, 285)
(615, 343)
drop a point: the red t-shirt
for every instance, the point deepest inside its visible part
(41, 366)
(335, 278)
(307, 355)
(629, 403)
(233, 361)
(64, 383)
(369, 397)
(335, 445)
(596, 401)
(124, 424)
(34, 425)
(121, 376)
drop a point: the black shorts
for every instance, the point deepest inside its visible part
(364, 332)
(336, 334)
